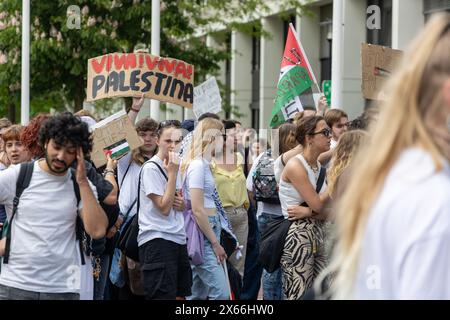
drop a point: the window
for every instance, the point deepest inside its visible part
(433, 6)
(383, 36)
(228, 76)
(256, 63)
(326, 38)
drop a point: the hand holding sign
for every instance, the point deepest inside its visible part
(134, 74)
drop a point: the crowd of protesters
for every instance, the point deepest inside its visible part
(368, 195)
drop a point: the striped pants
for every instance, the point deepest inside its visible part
(303, 257)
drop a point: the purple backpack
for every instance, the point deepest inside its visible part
(195, 238)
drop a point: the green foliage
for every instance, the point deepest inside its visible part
(58, 64)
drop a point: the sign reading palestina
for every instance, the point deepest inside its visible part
(131, 74)
(297, 86)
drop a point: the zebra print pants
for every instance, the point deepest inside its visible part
(303, 257)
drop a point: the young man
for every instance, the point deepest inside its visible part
(44, 261)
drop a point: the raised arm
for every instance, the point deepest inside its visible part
(94, 218)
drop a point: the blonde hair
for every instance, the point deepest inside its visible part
(203, 136)
(348, 145)
(407, 118)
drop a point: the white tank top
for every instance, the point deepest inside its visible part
(289, 196)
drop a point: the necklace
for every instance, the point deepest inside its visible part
(315, 169)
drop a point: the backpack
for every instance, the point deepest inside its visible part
(264, 183)
(127, 241)
(23, 181)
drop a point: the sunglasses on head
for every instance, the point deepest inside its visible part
(168, 123)
(326, 132)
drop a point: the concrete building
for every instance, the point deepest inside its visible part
(331, 37)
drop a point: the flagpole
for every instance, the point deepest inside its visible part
(336, 59)
(25, 80)
(155, 50)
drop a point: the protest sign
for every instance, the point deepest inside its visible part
(207, 98)
(378, 63)
(131, 74)
(114, 136)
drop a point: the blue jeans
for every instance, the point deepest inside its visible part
(253, 270)
(272, 288)
(100, 285)
(208, 278)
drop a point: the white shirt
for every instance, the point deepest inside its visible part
(278, 168)
(199, 176)
(44, 255)
(129, 186)
(263, 207)
(289, 195)
(152, 223)
(406, 248)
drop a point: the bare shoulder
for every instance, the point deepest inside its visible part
(294, 168)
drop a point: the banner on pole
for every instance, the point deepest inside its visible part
(297, 86)
(131, 74)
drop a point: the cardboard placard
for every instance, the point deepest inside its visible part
(114, 135)
(207, 98)
(378, 63)
(131, 74)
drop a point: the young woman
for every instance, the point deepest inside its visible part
(337, 120)
(228, 172)
(4, 124)
(268, 212)
(209, 281)
(162, 239)
(288, 146)
(14, 148)
(394, 218)
(128, 169)
(343, 155)
(304, 253)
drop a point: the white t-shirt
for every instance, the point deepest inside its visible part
(129, 187)
(199, 176)
(263, 207)
(152, 223)
(406, 247)
(278, 168)
(44, 255)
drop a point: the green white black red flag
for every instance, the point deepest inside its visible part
(297, 86)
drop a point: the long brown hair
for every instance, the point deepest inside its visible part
(409, 117)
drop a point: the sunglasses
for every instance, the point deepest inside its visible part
(326, 132)
(168, 123)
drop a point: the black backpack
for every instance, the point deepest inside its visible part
(23, 181)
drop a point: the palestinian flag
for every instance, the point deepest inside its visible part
(297, 87)
(117, 149)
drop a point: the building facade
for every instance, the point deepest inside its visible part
(331, 37)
